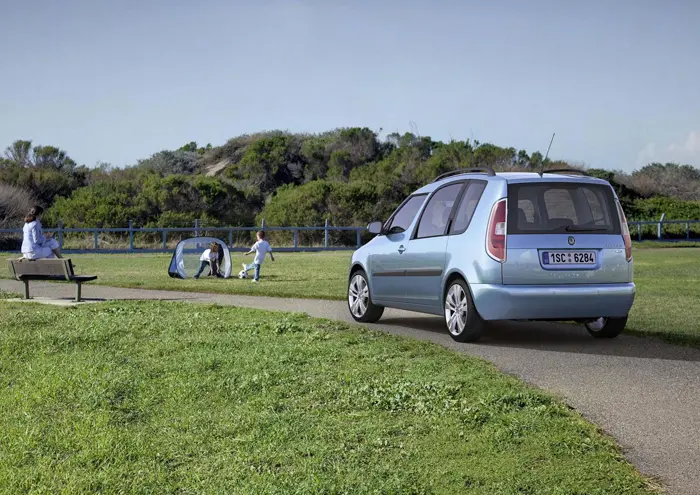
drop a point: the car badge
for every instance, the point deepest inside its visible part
(572, 241)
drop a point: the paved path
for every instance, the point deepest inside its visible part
(642, 391)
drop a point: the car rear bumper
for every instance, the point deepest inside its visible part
(565, 302)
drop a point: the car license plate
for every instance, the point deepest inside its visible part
(568, 258)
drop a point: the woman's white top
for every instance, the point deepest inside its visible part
(32, 237)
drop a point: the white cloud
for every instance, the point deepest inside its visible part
(684, 153)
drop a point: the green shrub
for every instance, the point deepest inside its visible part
(675, 209)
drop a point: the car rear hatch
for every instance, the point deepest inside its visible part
(567, 232)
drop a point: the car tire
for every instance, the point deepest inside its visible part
(461, 318)
(606, 328)
(360, 302)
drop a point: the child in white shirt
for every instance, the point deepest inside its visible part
(260, 248)
(210, 258)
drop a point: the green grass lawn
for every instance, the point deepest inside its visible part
(306, 275)
(174, 398)
(667, 303)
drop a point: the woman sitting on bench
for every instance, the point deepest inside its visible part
(35, 244)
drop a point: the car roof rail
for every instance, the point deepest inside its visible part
(569, 170)
(483, 170)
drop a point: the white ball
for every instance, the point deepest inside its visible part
(242, 274)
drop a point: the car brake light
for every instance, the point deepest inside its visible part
(496, 234)
(625, 232)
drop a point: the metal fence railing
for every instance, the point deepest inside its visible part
(665, 230)
(315, 238)
(133, 239)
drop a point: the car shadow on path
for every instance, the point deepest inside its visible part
(556, 337)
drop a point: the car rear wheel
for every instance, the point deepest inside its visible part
(360, 303)
(606, 328)
(462, 320)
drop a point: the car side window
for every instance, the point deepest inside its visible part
(596, 207)
(403, 217)
(433, 221)
(467, 206)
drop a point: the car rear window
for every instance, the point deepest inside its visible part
(561, 208)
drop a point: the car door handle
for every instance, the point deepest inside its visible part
(401, 249)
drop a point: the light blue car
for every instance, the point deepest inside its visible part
(478, 246)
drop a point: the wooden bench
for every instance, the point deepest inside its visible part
(52, 269)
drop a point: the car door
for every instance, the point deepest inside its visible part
(386, 264)
(424, 258)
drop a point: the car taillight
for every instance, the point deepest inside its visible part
(625, 232)
(496, 234)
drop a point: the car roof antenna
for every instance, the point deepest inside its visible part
(546, 155)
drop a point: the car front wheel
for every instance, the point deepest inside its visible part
(606, 328)
(462, 320)
(360, 303)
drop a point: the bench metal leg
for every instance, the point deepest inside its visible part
(78, 291)
(26, 289)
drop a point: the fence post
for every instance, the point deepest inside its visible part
(165, 239)
(230, 238)
(639, 232)
(359, 237)
(60, 234)
(97, 239)
(131, 236)
(296, 238)
(196, 227)
(325, 234)
(658, 227)
(687, 230)
(262, 224)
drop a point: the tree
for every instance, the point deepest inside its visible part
(269, 163)
(53, 158)
(191, 147)
(172, 162)
(356, 177)
(339, 165)
(23, 155)
(313, 203)
(536, 160)
(14, 204)
(669, 179)
(523, 160)
(20, 153)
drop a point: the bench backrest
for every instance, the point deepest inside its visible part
(58, 268)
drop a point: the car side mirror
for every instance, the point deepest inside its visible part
(375, 228)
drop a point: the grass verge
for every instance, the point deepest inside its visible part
(172, 398)
(9, 295)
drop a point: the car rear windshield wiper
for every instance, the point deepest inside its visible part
(574, 228)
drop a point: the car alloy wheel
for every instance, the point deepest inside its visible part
(358, 296)
(456, 309)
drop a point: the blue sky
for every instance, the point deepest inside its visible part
(618, 81)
